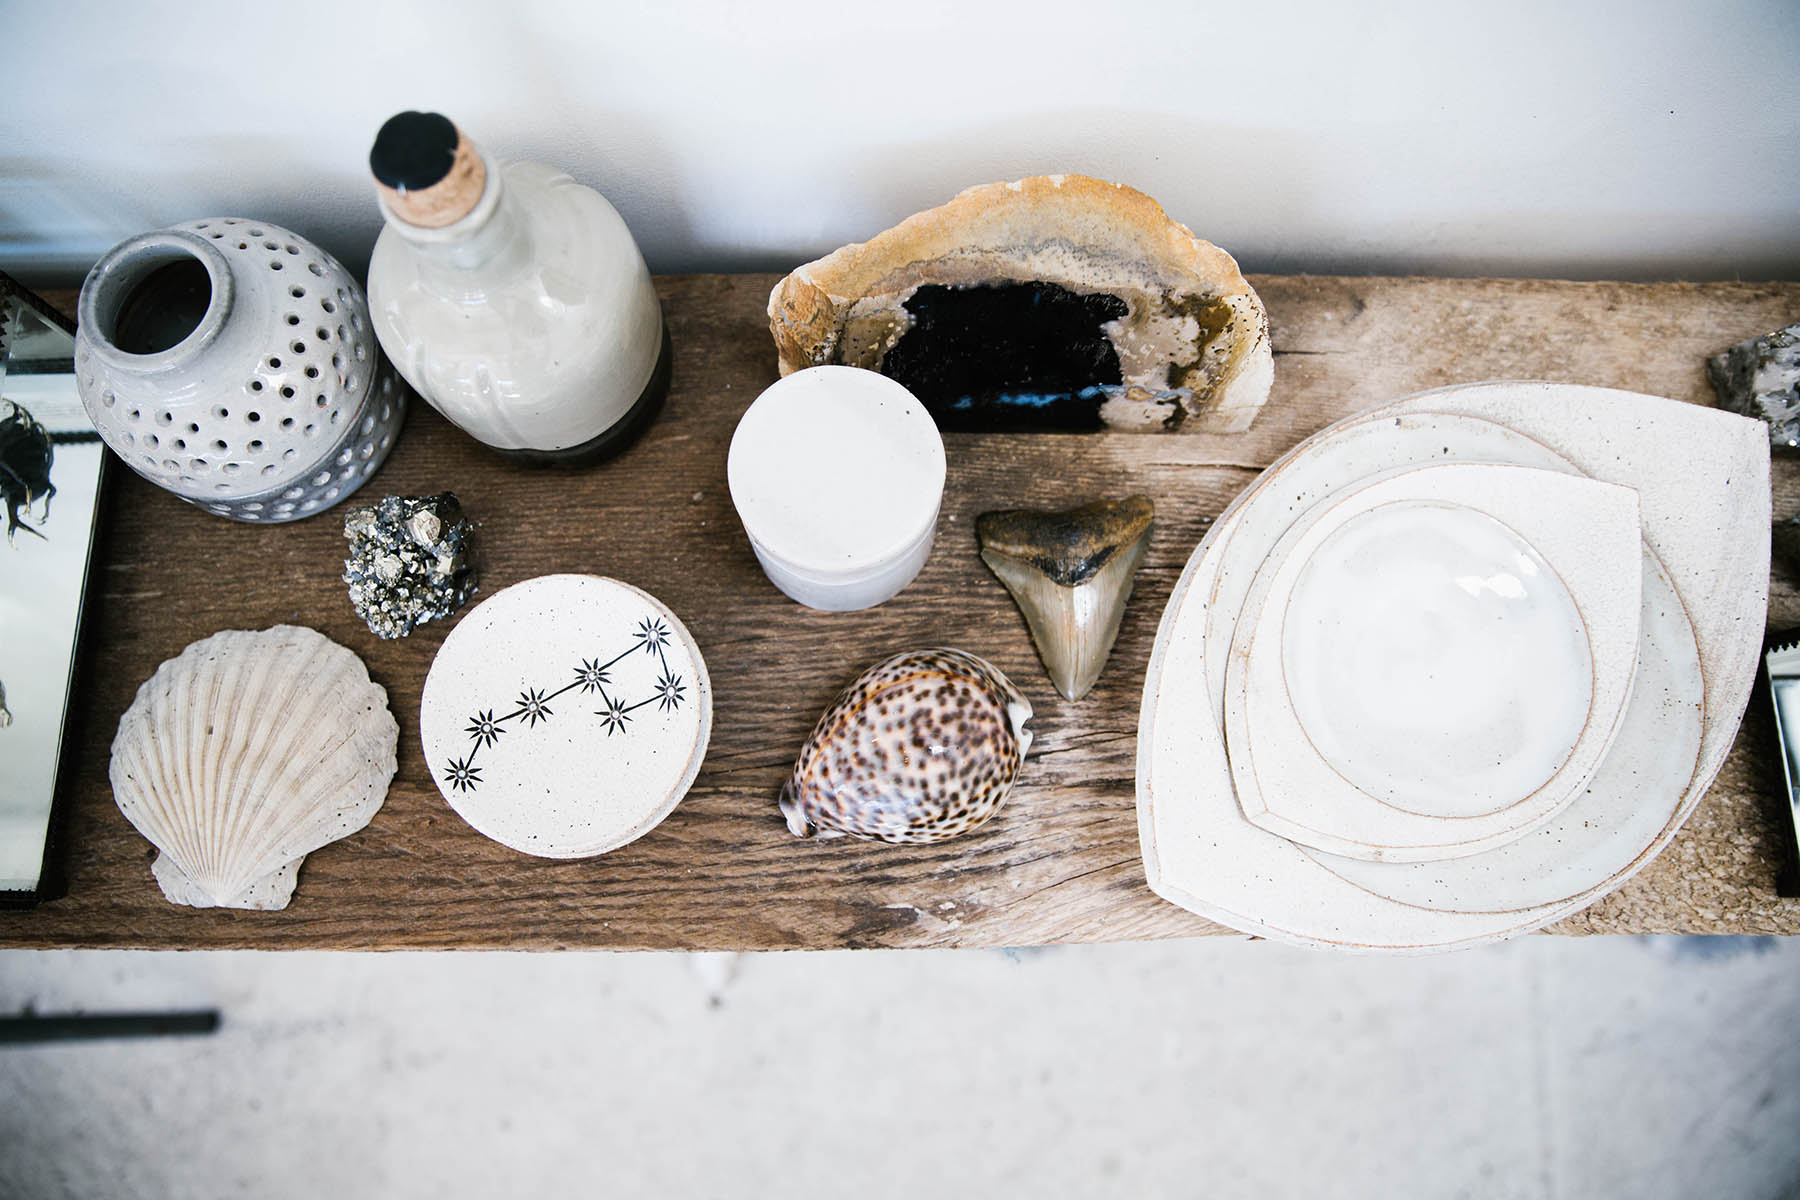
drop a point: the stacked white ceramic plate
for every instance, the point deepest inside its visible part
(1456, 668)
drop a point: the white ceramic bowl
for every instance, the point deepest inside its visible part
(837, 474)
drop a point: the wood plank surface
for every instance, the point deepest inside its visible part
(1060, 862)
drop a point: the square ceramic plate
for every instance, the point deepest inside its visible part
(1431, 665)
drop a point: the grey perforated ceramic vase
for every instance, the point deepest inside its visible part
(231, 362)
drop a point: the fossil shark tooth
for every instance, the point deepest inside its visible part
(1070, 573)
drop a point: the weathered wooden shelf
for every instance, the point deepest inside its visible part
(1060, 863)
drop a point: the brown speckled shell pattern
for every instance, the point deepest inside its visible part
(920, 748)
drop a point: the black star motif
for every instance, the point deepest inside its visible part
(668, 691)
(464, 775)
(613, 716)
(653, 634)
(590, 674)
(532, 706)
(484, 729)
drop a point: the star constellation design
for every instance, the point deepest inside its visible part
(592, 677)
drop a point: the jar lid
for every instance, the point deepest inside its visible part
(836, 470)
(566, 715)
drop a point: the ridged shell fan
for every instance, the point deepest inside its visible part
(246, 752)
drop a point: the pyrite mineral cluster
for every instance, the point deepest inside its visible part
(409, 561)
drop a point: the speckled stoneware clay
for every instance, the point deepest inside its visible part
(566, 715)
(922, 747)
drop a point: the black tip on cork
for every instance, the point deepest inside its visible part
(413, 150)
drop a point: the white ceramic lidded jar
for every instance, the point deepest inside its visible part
(230, 361)
(513, 299)
(837, 474)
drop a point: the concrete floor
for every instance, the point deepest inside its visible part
(1545, 1067)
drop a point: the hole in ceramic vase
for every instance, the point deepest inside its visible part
(155, 302)
(297, 292)
(291, 248)
(256, 385)
(293, 493)
(322, 478)
(299, 347)
(312, 372)
(293, 318)
(255, 446)
(253, 417)
(268, 470)
(232, 468)
(316, 269)
(275, 364)
(223, 413)
(150, 440)
(274, 266)
(108, 399)
(324, 335)
(193, 428)
(368, 425)
(181, 443)
(220, 446)
(328, 306)
(287, 422)
(287, 393)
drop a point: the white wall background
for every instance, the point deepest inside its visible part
(1648, 140)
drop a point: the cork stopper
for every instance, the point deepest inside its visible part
(427, 172)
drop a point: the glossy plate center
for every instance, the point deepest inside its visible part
(1435, 660)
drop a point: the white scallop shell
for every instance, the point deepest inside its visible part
(245, 753)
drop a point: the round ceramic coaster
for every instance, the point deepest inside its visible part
(566, 715)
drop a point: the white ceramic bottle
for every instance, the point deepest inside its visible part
(513, 299)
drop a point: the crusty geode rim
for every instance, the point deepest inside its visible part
(1104, 221)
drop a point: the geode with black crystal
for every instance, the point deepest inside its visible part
(409, 561)
(1761, 378)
